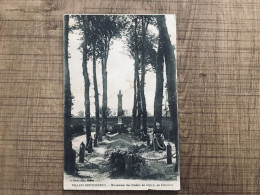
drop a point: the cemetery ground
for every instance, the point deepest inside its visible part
(98, 166)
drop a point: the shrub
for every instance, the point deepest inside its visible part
(77, 130)
(117, 160)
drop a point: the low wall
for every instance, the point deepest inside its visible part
(127, 120)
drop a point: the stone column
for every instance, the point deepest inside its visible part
(120, 107)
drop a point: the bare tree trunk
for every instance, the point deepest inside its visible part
(170, 62)
(96, 92)
(104, 80)
(68, 100)
(159, 85)
(86, 82)
(139, 101)
(143, 71)
(104, 100)
(104, 105)
(134, 112)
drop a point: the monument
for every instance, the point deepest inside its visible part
(119, 126)
(119, 108)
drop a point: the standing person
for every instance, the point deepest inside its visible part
(158, 134)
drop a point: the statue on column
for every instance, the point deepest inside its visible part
(119, 126)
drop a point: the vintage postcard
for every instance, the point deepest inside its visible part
(120, 103)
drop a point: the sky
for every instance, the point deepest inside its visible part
(120, 74)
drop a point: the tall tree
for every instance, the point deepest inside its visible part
(104, 45)
(68, 100)
(170, 62)
(141, 47)
(145, 22)
(86, 78)
(135, 54)
(159, 84)
(94, 37)
(134, 46)
(104, 81)
(110, 27)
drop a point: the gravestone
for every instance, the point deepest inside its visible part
(90, 147)
(81, 152)
(169, 154)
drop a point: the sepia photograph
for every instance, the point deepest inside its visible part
(120, 103)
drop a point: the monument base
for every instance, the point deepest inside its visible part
(119, 128)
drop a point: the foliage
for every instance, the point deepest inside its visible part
(100, 28)
(81, 114)
(117, 160)
(150, 41)
(77, 129)
(109, 111)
